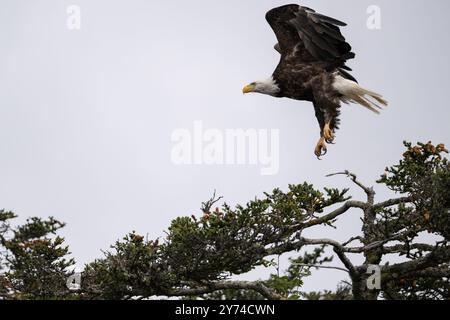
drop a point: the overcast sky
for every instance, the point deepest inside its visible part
(86, 116)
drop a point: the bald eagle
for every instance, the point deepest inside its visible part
(312, 68)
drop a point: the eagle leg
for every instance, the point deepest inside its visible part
(328, 133)
(321, 148)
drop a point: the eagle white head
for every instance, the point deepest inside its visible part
(268, 87)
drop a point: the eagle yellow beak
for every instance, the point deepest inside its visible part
(247, 89)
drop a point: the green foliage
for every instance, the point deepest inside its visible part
(288, 283)
(234, 241)
(134, 267)
(419, 287)
(416, 169)
(424, 175)
(343, 292)
(220, 244)
(33, 259)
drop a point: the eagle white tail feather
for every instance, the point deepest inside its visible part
(353, 92)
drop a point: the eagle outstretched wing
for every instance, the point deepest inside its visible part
(308, 36)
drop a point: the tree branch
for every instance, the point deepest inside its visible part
(392, 202)
(336, 213)
(357, 238)
(369, 191)
(338, 249)
(256, 286)
(443, 272)
(347, 263)
(438, 256)
(207, 206)
(378, 244)
(319, 266)
(401, 248)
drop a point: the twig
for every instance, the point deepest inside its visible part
(206, 206)
(319, 266)
(336, 213)
(338, 249)
(369, 191)
(257, 286)
(392, 202)
(360, 239)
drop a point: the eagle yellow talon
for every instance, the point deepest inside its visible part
(328, 133)
(321, 148)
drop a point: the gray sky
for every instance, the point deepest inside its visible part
(86, 116)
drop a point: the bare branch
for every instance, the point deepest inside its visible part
(257, 286)
(319, 266)
(206, 206)
(358, 238)
(338, 249)
(369, 191)
(346, 261)
(378, 244)
(336, 213)
(329, 242)
(392, 202)
(401, 248)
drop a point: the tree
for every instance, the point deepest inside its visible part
(199, 255)
(32, 262)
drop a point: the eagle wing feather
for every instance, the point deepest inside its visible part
(308, 36)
